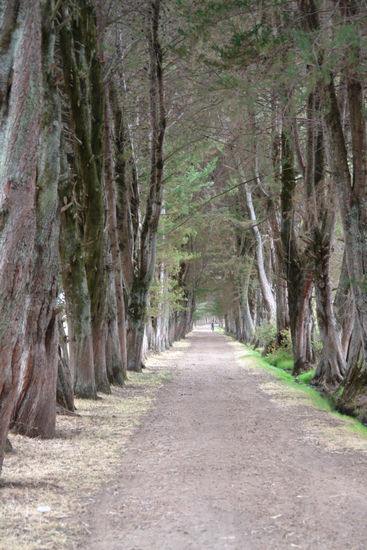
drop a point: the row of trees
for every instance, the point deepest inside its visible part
(159, 155)
(83, 127)
(291, 128)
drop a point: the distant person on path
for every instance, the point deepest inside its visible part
(213, 326)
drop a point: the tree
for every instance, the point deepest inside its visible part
(352, 193)
(85, 89)
(20, 96)
(138, 239)
(35, 410)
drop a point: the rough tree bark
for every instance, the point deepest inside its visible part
(241, 283)
(299, 269)
(159, 326)
(35, 410)
(344, 309)
(266, 290)
(183, 318)
(74, 281)
(322, 210)
(20, 105)
(138, 241)
(64, 388)
(352, 193)
(247, 325)
(111, 198)
(273, 207)
(85, 89)
(115, 371)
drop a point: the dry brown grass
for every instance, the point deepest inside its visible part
(65, 473)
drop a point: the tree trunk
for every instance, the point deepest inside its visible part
(115, 371)
(354, 349)
(281, 298)
(138, 241)
(353, 206)
(111, 197)
(299, 271)
(344, 308)
(75, 286)
(64, 388)
(352, 195)
(79, 48)
(137, 307)
(35, 410)
(266, 290)
(331, 368)
(247, 325)
(20, 103)
(280, 283)
(321, 221)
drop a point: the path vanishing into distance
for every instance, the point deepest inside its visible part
(228, 458)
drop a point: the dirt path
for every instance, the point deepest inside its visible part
(219, 464)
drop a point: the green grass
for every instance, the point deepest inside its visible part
(302, 383)
(284, 363)
(274, 371)
(355, 425)
(306, 377)
(280, 359)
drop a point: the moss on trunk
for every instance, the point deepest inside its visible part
(85, 89)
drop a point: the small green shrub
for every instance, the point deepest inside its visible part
(266, 336)
(275, 371)
(286, 341)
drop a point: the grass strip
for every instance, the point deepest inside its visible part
(302, 382)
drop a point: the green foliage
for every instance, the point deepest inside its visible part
(189, 177)
(165, 296)
(286, 340)
(282, 357)
(205, 309)
(266, 335)
(320, 401)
